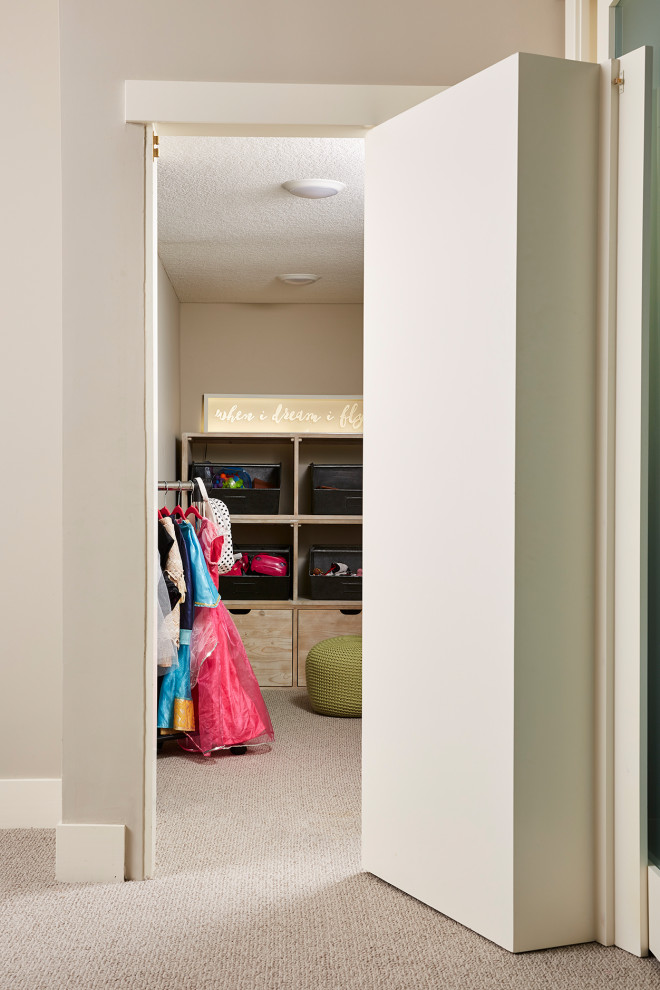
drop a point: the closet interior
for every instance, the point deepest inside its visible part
(230, 325)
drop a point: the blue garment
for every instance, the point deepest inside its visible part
(175, 706)
(205, 593)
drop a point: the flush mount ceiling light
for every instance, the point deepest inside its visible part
(299, 279)
(313, 188)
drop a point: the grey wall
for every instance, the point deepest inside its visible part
(31, 392)
(267, 350)
(169, 377)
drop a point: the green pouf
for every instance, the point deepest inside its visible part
(334, 676)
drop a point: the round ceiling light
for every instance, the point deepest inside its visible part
(313, 188)
(299, 279)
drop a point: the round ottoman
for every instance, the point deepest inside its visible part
(334, 676)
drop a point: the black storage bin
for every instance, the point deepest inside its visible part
(258, 587)
(243, 501)
(337, 489)
(335, 588)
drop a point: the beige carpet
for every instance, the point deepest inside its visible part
(259, 888)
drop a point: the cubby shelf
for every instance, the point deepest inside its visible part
(344, 603)
(278, 634)
(281, 437)
(281, 520)
(331, 520)
(296, 451)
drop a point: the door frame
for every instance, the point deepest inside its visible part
(589, 30)
(151, 494)
(270, 108)
(622, 833)
(621, 758)
(580, 30)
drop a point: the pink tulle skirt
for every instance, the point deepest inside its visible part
(229, 707)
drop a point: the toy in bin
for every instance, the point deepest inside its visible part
(337, 569)
(232, 478)
(259, 563)
(266, 563)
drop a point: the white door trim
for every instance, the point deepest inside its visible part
(151, 506)
(87, 853)
(605, 47)
(254, 104)
(654, 910)
(605, 459)
(631, 507)
(580, 30)
(625, 686)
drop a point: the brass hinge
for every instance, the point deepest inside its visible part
(156, 148)
(619, 81)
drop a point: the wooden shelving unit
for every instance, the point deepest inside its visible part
(278, 634)
(301, 520)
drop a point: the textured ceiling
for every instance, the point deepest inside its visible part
(227, 228)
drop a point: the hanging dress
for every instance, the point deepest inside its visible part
(228, 704)
(175, 705)
(172, 567)
(167, 635)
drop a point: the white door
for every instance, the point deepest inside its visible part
(480, 487)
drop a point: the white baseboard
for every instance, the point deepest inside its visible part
(90, 853)
(30, 802)
(654, 911)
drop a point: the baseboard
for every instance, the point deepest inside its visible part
(654, 911)
(30, 802)
(90, 853)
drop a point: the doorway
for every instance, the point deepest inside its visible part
(233, 320)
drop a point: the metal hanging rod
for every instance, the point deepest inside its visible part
(176, 486)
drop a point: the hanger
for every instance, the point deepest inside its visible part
(193, 511)
(178, 511)
(164, 511)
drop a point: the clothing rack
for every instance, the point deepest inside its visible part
(176, 486)
(161, 737)
(172, 486)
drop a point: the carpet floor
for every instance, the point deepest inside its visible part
(258, 887)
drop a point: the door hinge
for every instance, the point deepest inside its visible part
(619, 81)
(156, 148)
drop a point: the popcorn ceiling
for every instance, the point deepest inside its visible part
(227, 228)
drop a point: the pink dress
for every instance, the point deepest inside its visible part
(229, 707)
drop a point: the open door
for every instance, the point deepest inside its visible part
(480, 486)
